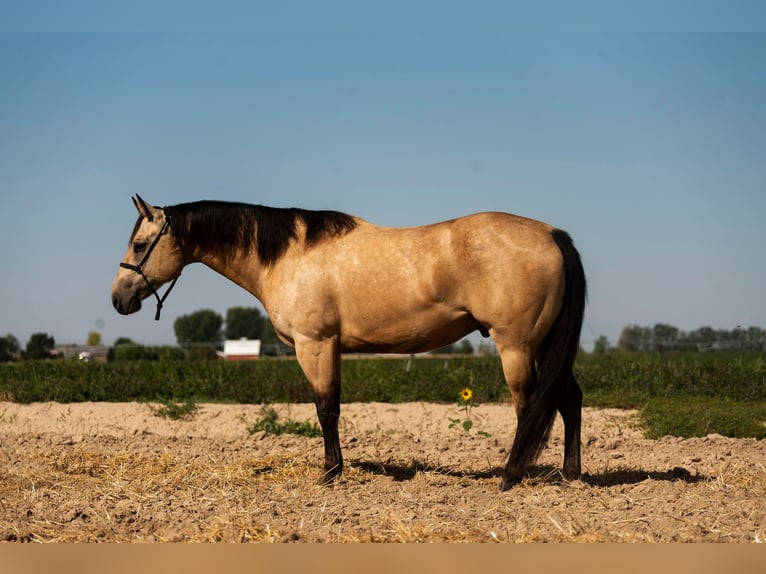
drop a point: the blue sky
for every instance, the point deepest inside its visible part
(648, 148)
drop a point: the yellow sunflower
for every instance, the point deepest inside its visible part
(466, 394)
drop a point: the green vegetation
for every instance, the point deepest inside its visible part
(700, 416)
(177, 411)
(684, 394)
(270, 424)
(40, 346)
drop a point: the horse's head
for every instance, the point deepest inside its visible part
(154, 257)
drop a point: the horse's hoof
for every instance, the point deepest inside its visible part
(510, 479)
(571, 474)
(507, 483)
(328, 477)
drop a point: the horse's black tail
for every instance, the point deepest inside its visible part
(555, 360)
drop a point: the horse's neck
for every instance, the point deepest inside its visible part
(244, 270)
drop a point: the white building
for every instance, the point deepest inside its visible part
(241, 350)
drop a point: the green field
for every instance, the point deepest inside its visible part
(679, 394)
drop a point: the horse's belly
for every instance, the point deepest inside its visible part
(413, 334)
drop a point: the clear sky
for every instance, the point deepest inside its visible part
(647, 148)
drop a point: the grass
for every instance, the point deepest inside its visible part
(270, 424)
(700, 416)
(176, 411)
(682, 394)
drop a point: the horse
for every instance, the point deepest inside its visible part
(334, 283)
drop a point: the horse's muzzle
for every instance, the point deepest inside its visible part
(134, 304)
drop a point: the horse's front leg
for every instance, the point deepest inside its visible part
(320, 361)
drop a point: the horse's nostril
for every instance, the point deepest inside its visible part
(116, 302)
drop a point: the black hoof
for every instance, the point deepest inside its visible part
(329, 476)
(508, 482)
(571, 473)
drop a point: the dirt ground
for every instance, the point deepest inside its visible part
(119, 472)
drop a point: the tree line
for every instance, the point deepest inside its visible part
(201, 333)
(39, 346)
(664, 337)
(207, 327)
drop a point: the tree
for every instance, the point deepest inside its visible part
(94, 339)
(634, 338)
(9, 347)
(702, 335)
(124, 349)
(755, 337)
(601, 345)
(40, 346)
(464, 347)
(244, 322)
(199, 327)
(664, 337)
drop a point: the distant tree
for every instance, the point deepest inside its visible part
(601, 345)
(124, 349)
(9, 347)
(664, 337)
(39, 346)
(702, 335)
(94, 339)
(755, 337)
(446, 350)
(634, 338)
(244, 322)
(199, 327)
(464, 347)
(486, 347)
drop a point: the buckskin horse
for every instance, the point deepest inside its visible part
(334, 283)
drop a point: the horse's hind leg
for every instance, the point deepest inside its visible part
(570, 407)
(518, 368)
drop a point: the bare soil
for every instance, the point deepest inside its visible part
(118, 472)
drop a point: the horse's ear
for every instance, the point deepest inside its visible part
(146, 210)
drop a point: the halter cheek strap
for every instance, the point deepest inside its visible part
(138, 268)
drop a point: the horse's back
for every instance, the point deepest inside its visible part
(500, 235)
(483, 248)
(490, 230)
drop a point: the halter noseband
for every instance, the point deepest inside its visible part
(137, 268)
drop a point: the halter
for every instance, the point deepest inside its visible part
(137, 268)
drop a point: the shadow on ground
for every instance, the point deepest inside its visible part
(541, 473)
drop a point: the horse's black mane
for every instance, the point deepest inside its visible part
(225, 227)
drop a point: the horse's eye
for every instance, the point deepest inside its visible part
(139, 248)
